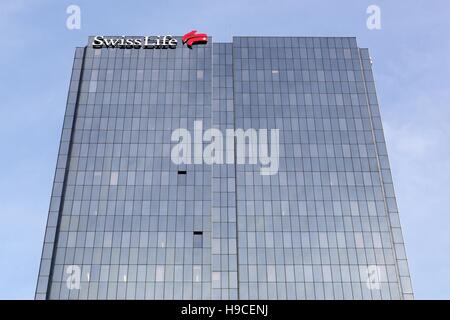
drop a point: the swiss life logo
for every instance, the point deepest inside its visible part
(149, 42)
(192, 38)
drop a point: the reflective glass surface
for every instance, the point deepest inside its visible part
(125, 222)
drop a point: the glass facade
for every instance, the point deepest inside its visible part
(126, 222)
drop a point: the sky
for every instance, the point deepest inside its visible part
(411, 67)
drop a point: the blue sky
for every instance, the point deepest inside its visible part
(411, 67)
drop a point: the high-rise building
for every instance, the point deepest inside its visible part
(152, 198)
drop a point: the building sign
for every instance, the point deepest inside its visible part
(155, 42)
(149, 42)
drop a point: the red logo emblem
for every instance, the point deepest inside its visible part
(193, 37)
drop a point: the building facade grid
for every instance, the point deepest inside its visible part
(134, 225)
